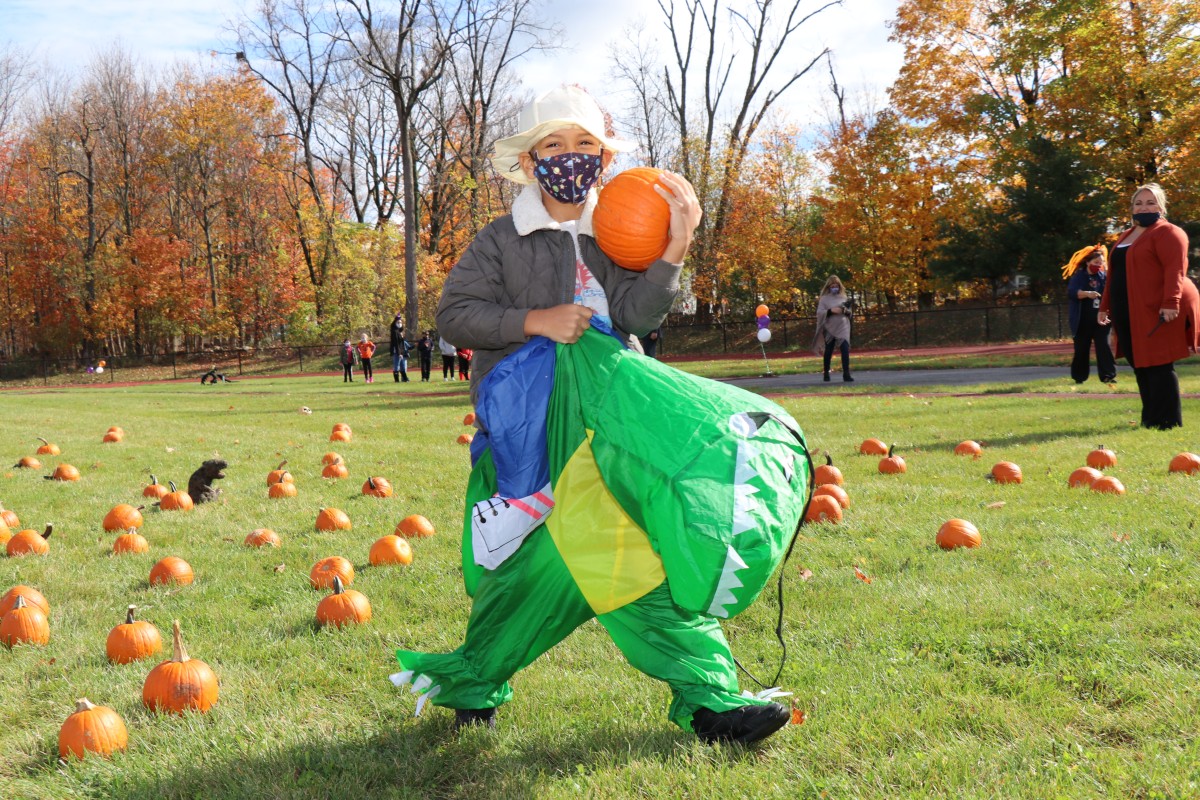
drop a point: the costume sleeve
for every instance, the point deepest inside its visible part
(472, 312)
(639, 301)
(1170, 247)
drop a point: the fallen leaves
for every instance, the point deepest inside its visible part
(997, 504)
(798, 715)
(1120, 537)
(805, 574)
(862, 576)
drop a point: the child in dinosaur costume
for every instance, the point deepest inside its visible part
(604, 484)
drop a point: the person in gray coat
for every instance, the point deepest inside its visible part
(833, 325)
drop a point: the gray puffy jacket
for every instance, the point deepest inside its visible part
(525, 261)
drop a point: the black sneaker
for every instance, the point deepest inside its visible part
(466, 717)
(744, 725)
(847, 379)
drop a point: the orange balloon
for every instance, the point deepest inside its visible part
(762, 311)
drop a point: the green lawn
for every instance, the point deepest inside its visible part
(1060, 659)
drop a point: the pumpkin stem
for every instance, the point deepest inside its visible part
(43, 441)
(338, 588)
(20, 603)
(172, 485)
(153, 480)
(180, 651)
(129, 615)
(371, 483)
(828, 460)
(890, 449)
(83, 704)
(282, 464)
(49, 530)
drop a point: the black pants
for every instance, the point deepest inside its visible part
(1089, 333)
(447, 367)
(366, 368)
(1158, 385)
(426, 365)
(845, 356)
(347, 373)
(464, 369)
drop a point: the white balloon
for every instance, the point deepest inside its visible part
(764, 335)
(99, 370)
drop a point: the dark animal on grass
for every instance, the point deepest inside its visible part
(200, 484)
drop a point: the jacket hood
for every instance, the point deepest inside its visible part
(529, 214)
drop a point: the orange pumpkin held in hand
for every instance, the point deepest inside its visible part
(24, 624)
(1006, 472)
(1108, 485)
(828, 473)
(176, 500)
(968, 448)
(415, 526)
(325, 570)
(262, 537)
(31, 595)
(1188, 463)
(171, 569)
(823, 508)
(1083, 477)
(30, 542)
(92, 728)
(892, 464)
(1102, 458)
(834, 491)
(122, 517)
(873, 447)
(48, 448)
(377, 487)
(131, 542)
(958, 533)
(155, 489)
(279, 474)
(391, 549)
(343, 607)
(132, 640)
(632, 222)
(180, 684)
(64, 472)
(332, 519)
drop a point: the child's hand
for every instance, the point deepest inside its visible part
(685, 214)
(563, 324)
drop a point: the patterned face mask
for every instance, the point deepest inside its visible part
(567, 177)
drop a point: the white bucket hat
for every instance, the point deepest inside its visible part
(559, 108)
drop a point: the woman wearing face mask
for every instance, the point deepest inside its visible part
(1153, 306)
(1087, 272)
(833, 326)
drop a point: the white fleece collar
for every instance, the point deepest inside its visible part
(530, 215)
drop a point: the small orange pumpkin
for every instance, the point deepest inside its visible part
(834, 491)
(132, 640)
(823, 508)
(180, 684)
(391, 549)
(262, 537)
(336, 470)
(340, 435)
(171, 569)
(873, 447)
(464, 438)
(415, 526)
(1188, 463)
(117, 429)
(112, 436)
(828, 473)
(343, 607)
(9, 518)
(1102, 458)
(1083, 477)
(24, 624)
(332, 519)
(122, 517)
(1006, 472)
(632, 222)
(176, 500)
(324, 571)
(341, 426)
(131, 542)
(155, 489)
(30, 542)
(958, 533)
(282, 489)
(48, 448)
(27, 462)
(968, 448)
(1108, 485)
(377, 487)
(64, 472)
(32, 596)
(330, 458)
(5, 534)
(469, 419)
(279, 474)
(92, 728)
(892, 464)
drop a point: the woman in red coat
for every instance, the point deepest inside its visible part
(1153, 305)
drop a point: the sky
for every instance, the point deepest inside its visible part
(67, 33)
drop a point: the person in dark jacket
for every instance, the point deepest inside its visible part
(1087, 272)
(425, 354)
(399, 348)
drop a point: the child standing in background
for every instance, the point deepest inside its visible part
(464, 364)
(346, 356)
(449, 351)
(366, 349)
(425, 354)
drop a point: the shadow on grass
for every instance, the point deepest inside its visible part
(422, 759)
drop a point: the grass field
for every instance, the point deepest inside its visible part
(1060, 659)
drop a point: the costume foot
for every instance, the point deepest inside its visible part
(750, 723)
(467, 717)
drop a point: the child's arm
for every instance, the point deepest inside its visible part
(474, 311)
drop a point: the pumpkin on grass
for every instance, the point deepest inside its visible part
(325, 570)
(92, 728)
(391, 549)
(112, 436)
(1102, 458)
(122, 517)
(343, 607)
(632, 222)
(873, 447)
(176, 500)
(892, 464)
(131, 542)
(262, 537)
(24, 624)
(64, 472)
(132, 640)
(171, 569)
(330, 458)
(1007, 472)
(1188, 463)
(464, 438)
(180, 684)
(1108, 485)
(957, 533)
(823, 508)
(31, 595)
(332, 519)
(968, 448)
(279, 474)
(828, 473)
(834, 491)
(1083, 477)
(27, 462)
(9, 518)
(340, 435)
(155, 489)
(281, 489)
(30, 542)
(377, 487)
(469, 419)
(336, 470)
(48, 448)
(5, 534)
(415, 526)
